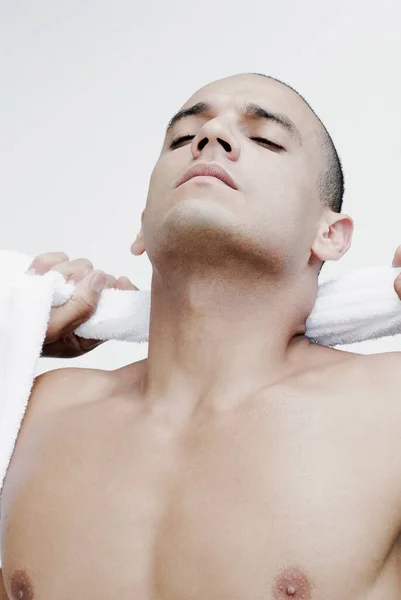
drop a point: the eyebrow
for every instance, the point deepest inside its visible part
(249, 110)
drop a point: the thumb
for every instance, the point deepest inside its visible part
(86, 296)
(97, 281)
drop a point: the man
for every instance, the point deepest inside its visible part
(238, 461)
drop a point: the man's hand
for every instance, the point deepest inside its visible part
(60, 341)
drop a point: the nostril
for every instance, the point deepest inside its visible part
(205, 140)
(225, 145)
(202, 143)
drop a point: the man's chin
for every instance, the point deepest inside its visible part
(201, 233)
(197, 212)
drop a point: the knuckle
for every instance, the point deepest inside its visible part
(74, 270)
(82, 263)
(78, 274)
(81, 307)
(87, 305)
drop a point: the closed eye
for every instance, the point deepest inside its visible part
(272, 145)
(179, 140)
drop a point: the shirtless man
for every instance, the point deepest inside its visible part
(238, 461)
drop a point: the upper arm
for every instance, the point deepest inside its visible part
(52, 391)
(49, 394)
(44, 398)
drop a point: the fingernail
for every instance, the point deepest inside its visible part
(98, 282)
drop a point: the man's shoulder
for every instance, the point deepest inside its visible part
(347, 368)
(72, 386)
(385, 367)
(376, 373)
(63, 387)
(384, 363)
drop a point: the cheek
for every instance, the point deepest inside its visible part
(163, 179)
(292, 185)
(280, 200)
(270, 174)
(167, 170)
(162, 182)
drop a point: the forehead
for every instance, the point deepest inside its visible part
(233, 92)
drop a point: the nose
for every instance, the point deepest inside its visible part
(214, 137)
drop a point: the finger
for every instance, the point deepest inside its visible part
(73, 269)
(78, 309)
(70, 265)
(83, 268)
(43, 262)
(110, 282)
(123, 283)
(397, 257)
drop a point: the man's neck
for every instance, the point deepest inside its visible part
(215, 339)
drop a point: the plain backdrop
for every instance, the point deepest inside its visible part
(87, 88)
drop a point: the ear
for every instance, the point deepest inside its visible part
(138, 246)
(333, 237)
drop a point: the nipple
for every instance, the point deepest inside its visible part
(291, 583)
(21, 586)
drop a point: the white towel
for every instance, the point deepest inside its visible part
(350, 308)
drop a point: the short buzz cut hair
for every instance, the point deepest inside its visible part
(331, 180)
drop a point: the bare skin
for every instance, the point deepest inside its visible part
(238, 461)
(294, 493)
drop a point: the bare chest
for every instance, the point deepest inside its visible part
(275, 501)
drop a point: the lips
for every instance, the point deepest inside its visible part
(209, 170)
